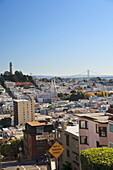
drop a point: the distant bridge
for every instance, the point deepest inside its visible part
(90, 74)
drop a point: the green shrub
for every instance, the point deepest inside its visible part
(97, 159)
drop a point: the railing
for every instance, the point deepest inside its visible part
(45, 136)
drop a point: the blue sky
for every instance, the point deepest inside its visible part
(56, 37)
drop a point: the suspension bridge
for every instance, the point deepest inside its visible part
(91, 74)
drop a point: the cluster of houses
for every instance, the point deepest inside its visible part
(39, 117)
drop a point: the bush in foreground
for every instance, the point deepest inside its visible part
(97, 159)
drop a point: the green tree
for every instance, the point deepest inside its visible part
(11, 148)
(99, 78)
(97, 159)
(5, 122)
(73, 91)
(60, 94)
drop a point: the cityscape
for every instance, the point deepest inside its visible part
(56, 85)
(34, 113)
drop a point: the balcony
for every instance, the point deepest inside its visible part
(45, 135)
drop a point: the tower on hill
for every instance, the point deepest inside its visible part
(11, 67)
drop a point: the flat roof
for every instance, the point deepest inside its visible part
(73, 130)
(20, 100)
(38, 123)
(97, 117)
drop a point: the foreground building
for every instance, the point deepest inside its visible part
(93, 130)
(90, 130)
(23, 111)
(110, 120)
(68, 137)
(36, 138)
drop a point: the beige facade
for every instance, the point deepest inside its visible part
(23, 111)
(69, 138)
(110, 120)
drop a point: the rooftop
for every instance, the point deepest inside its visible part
(20, 100)
(97, 117)
(73, 130)
(38, 123)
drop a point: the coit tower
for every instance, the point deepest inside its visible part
(11, 67)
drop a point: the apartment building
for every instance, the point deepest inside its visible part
(90, 130)
(68, 137)
(93, 130)
(109, 112)
(36, 139)
(23, 111)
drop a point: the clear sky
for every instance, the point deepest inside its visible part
(56, 37)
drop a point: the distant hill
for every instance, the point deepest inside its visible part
(75, 76)
(43, 76)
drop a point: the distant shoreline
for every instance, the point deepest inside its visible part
(74, 76)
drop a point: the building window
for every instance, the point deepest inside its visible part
(59, 134)
(40, 149)
(75, 143)
(102, 146)
(76, 158)
(111, 145)
(102, 131)
(84, 140)
(97, 143)
(111, 127)
(39, 130)
(67, 140)
(41, 143)
(68, 153)
(83, 124)
(97, 128)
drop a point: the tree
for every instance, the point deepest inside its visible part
(60, 94)
(97, 159)
(5, 122)
(88, 95)
(11, 148)
(73, 91)
(99, 78)
(75, 96)
(106, 93)
(102, 94)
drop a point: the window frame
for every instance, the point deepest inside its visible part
(68, 153)
(100, 132)
(67, 140)
(109, 127)
(39, 130)
(86, 140)
(86, 124)
(110, 145)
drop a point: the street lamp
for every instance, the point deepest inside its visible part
(20, 154)
(1, 156)
(8, 144)
(20, 149)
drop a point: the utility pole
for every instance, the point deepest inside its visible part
(56, 149)
(56, 126)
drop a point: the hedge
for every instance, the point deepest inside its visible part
(97, 159)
